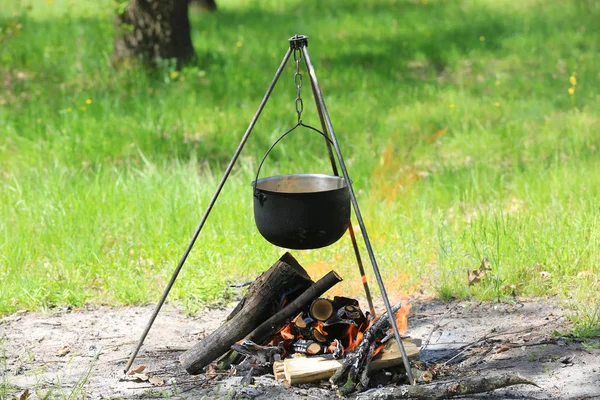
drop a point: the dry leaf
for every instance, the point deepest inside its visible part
(427, 376)
(140, 377)
(63, 351)
(504, 347)
(137, 370)
(478, 274)
(135, 377)
(545, 274)
(512, 288)
(156, 381)
(210, 371)
(24, 395)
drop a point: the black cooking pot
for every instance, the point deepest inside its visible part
(301, 211)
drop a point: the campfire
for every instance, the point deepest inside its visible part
(286, 326)
(353, 345)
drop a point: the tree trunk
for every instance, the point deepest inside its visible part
(154, 30)
(283, 282)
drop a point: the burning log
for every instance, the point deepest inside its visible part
(268, 328)
(304, 327)
(349, 315)
(311, 369)
(355, 361)
(281, 283)
(263, 333)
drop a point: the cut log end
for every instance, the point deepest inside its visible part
(321, 309)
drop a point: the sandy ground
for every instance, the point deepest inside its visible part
(81, 353)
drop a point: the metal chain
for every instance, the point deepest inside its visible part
(298, 82)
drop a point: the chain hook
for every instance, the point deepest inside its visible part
(298, 83)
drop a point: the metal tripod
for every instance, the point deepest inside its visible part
(299, 48)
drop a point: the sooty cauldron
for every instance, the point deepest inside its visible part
(301, 211)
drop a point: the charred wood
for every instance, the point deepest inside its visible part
(354, 362)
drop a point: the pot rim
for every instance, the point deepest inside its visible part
(320, 176)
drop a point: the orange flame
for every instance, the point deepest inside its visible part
(318, 326)
(402, 317)
(354, 338)
(286, 333)
(378, 349)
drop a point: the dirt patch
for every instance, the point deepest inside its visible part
(81, 353)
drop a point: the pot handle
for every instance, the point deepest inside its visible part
(277, 141)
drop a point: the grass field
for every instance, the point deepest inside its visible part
(470, 129)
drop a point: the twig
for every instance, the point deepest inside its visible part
(240, 285)
(437, 325)
(170, 349)
(104, 337)
(462, 349)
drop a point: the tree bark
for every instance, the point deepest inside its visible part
(153, 30)
(284, 281)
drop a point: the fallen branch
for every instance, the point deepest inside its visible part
(507, 346)
(448, 389)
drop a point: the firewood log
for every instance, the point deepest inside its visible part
(285, 279)
(268, 328)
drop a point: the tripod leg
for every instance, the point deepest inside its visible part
(321, 105)
(359, 262)
(208, 209)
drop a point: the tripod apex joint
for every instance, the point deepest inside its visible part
(298, 41)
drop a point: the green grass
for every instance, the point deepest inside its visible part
(455, 119)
